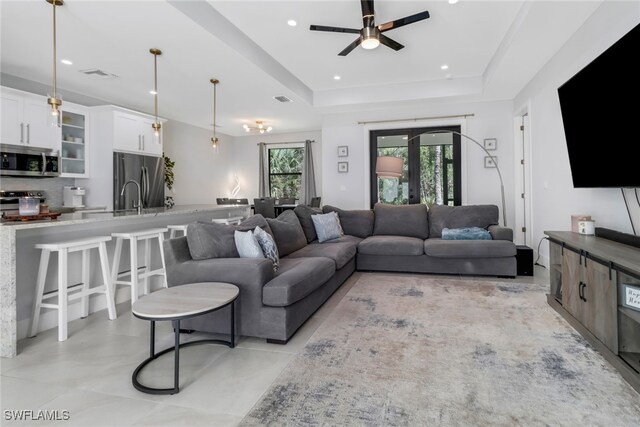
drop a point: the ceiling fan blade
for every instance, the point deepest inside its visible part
(403, 21)
(389, 42)
(349, 48)
(367, 12)
(333, 29)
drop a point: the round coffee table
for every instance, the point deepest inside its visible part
(175, 304)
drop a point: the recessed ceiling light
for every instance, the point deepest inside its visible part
(444, 67)
(453, 1)
(292, 22)
(336, 77)
(66, 62)
(153, 92)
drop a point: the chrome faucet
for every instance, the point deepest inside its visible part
(139, 205)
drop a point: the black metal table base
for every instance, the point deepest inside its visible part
(176, 349)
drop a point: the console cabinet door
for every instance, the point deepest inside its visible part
(572, 277)
(600, 310)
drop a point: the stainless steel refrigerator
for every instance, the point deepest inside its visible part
(148, 171)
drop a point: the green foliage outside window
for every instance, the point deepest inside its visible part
(285, 172)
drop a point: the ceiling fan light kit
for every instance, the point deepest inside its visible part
(370, 34)
(259, 127)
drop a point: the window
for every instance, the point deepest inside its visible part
(285, 172)
(431, 166)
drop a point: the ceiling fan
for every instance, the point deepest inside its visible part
(370, 34)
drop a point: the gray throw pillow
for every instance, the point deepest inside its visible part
(357, 223)
(211, 240)
(304, 213)
(401, 220)
(268, 246)
(287, 232)
(327, 226)
(247, 245)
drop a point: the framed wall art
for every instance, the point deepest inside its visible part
(343, 167)
(343, 151)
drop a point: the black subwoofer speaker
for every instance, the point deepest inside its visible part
(524, 260)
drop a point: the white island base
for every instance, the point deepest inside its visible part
(19, 259)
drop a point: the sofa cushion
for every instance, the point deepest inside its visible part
(442, 216)
(401, 220)
(346, 238)
(391, 245)
(287, 232)
(304, 213)
(357, 223)
(439, 248)
(296, 278)
(340, 253)
(211, 240)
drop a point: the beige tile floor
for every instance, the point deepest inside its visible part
(89, 375)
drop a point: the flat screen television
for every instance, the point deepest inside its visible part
(601, 114)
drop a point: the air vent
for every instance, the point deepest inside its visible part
(98, 73)
(282, 98)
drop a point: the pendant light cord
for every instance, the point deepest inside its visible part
(155, 84)
(54, 50)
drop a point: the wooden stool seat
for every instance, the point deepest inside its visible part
(64, 293)
(228, 221)
(175, 229)
(135, 276)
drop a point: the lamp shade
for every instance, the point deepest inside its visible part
(389, 167)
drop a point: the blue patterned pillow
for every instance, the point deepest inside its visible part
(327, 226)
(470, 233)
(268, 246)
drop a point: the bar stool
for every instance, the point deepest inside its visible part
(234, 220)
(65, 293)
(136, 276)
(175, 229)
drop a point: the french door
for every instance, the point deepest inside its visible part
(431, 166)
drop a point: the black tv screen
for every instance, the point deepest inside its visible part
(601, 113)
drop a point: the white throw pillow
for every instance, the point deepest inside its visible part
(268, 246)
(327, 226)
(247, 245)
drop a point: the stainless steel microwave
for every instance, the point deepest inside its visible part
(16, 160)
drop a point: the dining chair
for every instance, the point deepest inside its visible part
(286, 201)
(315, 202)
(264, 206)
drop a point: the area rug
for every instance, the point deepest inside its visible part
(414, 350)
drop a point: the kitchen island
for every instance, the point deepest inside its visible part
(19, 259)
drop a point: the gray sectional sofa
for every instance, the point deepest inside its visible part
(273, 305)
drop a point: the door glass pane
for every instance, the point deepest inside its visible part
(436, 169)
(391, 190)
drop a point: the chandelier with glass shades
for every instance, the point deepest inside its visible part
(259, 127)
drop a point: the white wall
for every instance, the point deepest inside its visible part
(480, 185)
(200, 173)
(246, 155)
(554, 199)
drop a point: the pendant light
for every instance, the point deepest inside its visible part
(53, 100)
(214, 138)
(157, 126)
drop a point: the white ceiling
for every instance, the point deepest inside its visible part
(492, 49)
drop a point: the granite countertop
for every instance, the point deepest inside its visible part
(87, 217)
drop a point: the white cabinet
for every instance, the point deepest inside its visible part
(25, 120)
(76, 141)
(134, 133)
